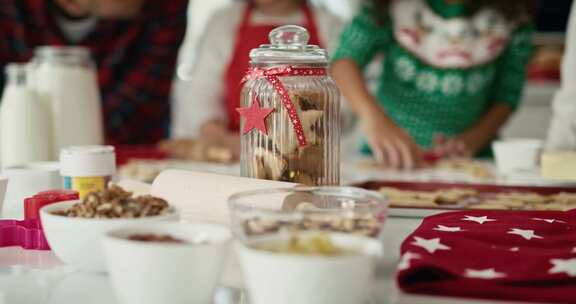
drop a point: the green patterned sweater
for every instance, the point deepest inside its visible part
(442, 68)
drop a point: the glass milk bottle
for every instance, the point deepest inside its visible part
(65, 79)
(24, 121)
(290, 112)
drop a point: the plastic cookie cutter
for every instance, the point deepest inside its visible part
(28, 233)
(32, 205)
(431, 157)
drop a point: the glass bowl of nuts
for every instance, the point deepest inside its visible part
(74, 229)
(305, 209)
(293, 241)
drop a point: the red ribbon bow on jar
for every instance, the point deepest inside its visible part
(272, 76)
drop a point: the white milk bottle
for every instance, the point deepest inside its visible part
(25, 128)
(65, 79)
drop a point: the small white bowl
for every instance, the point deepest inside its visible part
(176, 273)
(77, 241)
(285, 278)
(27, 180)
(517, 155)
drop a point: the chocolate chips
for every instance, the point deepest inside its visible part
(116, 203)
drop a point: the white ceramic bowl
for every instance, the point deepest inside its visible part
(176, 273)
(284, 278)
(517, 155)
(27, 180)
(77, 241)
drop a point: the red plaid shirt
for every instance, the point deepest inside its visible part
(135, 59)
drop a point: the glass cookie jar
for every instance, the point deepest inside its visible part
(290, 112)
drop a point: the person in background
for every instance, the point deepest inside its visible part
(133, 42)
(205, 107)
(452, 74)
(562, 132)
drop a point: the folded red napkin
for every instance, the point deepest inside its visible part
(525, 256)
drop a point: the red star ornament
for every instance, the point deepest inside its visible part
(255, 117)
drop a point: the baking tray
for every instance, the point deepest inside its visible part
(434, 186)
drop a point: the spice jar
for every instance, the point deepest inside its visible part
(290, 112)
(87, 168)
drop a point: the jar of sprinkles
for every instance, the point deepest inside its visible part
(87, 168)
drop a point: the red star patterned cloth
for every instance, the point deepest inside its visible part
(523, 256)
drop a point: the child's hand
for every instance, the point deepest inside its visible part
(391, 145)
(451, 147)
(216, 133)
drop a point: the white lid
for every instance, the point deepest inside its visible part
(86, 161)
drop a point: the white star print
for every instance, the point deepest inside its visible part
(486, 274)
(549, 221)
(563, 266)
(478, 219)
(405, 260)
(527, 234)
(573, 250)
(430, 245)
(514, 249)
(447, 228)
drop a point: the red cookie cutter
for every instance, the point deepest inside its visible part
(33, 204)
(28, 233)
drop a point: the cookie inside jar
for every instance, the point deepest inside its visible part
(282, 157)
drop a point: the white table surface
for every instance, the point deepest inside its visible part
(38, 277)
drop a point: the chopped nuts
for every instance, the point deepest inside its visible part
(357, 224)
(116, 203)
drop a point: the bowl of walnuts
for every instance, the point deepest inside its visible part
(75, 229)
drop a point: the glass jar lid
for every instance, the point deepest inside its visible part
(289, 44)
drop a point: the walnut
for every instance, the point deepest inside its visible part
(115, 202)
